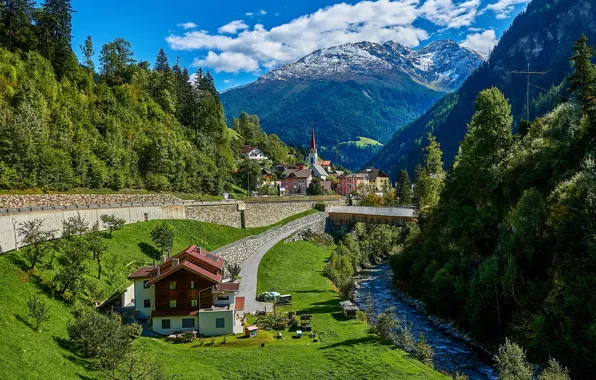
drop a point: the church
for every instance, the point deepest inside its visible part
(313, 162)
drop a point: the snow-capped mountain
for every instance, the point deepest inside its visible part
(442, 65)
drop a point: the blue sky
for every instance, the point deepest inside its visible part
(240, 40)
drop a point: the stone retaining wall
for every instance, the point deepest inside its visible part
(240, 250)
(24, 200)
(266, 214)
(225, 215)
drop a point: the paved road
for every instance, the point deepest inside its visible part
(249, 270)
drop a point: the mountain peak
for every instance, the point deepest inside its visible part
(441, 65)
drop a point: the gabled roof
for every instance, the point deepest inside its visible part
(354, 175)
(192, 267)
(142, 272)
(248, 148)
(193, 258)
(227, 287)
(374, 173)
(319, 171)
(324, 162)
(304, 173)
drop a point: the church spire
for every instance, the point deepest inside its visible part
(313, 143)
(313, 157)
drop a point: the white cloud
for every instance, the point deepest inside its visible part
(446, 13)
(262, 12)
(504, 8)
(188, 25)
(233, 27)
(249, 14)
(375, 21)
(482, 42)
(228, 62)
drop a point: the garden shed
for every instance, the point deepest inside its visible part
(349, 309)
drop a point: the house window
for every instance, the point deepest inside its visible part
(172, 285)
(165, 324)
(220, 323)
(188, 323)
(223, 298)
(193, 284)
(145, 283)
(194, 303)
(172, 303)
(147, 303)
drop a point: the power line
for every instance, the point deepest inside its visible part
(528, 74)
(551, 92)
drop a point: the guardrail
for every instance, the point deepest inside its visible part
(115, 205)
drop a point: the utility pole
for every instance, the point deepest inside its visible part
(528, 74)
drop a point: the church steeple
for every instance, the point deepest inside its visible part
(313, 157)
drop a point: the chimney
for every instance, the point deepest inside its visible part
(200, 251)
(158, 271)
(163, 259)
(175, 262)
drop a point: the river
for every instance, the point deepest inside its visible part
(453, 353)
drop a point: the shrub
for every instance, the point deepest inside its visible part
(424, 352)
(554, 371)
(511, 362)
(361, 316)
(38, 310)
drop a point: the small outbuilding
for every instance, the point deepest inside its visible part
(349, 309)
(251, 331)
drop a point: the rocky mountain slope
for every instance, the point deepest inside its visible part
(361, 89)
(542, 36)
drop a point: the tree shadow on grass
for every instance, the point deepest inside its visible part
(24, 321)
(354, 342)
(149, 250)
(19, 261)
(324, 307)
(72, 356)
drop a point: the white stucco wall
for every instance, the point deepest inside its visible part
(9, 223)
(141, 294)
(207, 322)
(175, 325)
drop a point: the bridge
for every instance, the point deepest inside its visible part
(395, 216)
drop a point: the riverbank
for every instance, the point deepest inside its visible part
(455, 352)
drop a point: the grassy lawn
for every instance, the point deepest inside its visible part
(27, 354)
(347, 350)
(363, 142)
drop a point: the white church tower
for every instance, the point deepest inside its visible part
(312, 158)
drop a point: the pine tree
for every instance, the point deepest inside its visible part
(429, 177)
(161, 62)
(54, 28)
(404, 189)
(583, 80)
(88, 53)
(116, 58)
(16, 18)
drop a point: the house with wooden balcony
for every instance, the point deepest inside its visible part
(186, 293)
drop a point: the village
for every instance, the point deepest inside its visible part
(325, 177)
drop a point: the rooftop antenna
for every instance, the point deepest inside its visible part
(528, 74)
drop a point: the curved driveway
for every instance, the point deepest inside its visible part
(250, 267)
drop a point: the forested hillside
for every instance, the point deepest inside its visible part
(507, 246)
(66, 125)
(541, 36)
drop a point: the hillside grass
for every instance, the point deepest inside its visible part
(27, 354)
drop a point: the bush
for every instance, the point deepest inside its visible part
(424, 352)
(511, 362)
(361, 316)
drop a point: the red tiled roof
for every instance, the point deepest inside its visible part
(142, 272)
(227, 287)
(189, 266)
(205, 256)
(248, 148)
(174, 312)
(239, 304)
(324, 163)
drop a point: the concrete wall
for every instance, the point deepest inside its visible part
(9, 222)
(175, 325)
(207, 322)
(140, 295)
